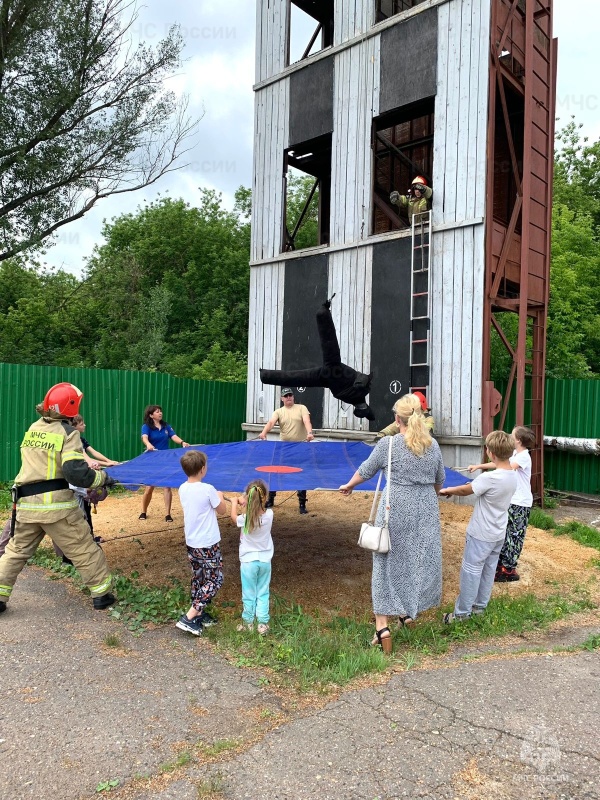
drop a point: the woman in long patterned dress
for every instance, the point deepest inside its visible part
(407, 579)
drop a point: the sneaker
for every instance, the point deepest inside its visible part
(244, 626)
(263, 628)
(168, 518)
(2, 606)
(142, 516)
(451, 617)
(504, 575)
(104, 601)
(206, 620)
(190, 625)
(478, 610)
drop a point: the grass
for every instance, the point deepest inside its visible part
(5, 498)
(107, 786)
(182, 759)
(218, 747)
(137, 604)
(584, 534)
(211, 787)
(314, 651)
(592, 642)
(112, 640)
(539, 519)
(590, 537)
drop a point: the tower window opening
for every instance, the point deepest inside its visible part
(384, 9)
(402, 149)
(310, 28)
(307, 194)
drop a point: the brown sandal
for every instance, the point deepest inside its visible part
(385, 642)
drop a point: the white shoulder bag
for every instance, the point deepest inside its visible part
(373, 537)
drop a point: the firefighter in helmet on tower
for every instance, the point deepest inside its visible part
(416, 201)
(51, 458)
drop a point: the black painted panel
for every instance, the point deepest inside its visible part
(390, 328)
(305, 291)
(408, 61)
(311, 102)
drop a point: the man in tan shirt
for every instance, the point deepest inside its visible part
(294, 426)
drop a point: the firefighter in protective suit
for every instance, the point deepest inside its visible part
(51, 458)
(416, 200)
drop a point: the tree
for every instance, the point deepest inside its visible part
(83, 114)
(299, 187)
(169, 289)
(573, 333)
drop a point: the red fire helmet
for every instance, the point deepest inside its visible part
(64, 398)
(422, 399)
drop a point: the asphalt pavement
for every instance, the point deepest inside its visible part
(168, 719)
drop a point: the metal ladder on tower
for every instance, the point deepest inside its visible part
(420, 302)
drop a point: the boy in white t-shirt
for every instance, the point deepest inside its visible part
(256, 552)
(520, 504)
(486, 528)
(201, 504)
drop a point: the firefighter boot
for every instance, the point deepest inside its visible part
(104, 601)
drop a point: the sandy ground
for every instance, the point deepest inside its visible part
(317, 562)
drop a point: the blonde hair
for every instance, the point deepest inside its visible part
(409, 412)
(500, 444)
(256, 492)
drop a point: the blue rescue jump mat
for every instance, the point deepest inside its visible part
(283, 466)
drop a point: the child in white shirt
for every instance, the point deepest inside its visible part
(201, 504)
(256, 552)
(520, 504)
(486, 528)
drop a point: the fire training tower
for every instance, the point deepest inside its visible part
(461, 92)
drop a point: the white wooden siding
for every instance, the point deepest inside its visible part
(458, 261)
(351, 18)
(355, 103)
(271, 38)
(265, 335)
(458, 255)
(461, 104)
(271, 125)
(350, 276)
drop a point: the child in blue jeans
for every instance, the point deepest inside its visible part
(256, 552)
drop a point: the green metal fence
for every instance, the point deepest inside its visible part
(201, 412)
(572, 408)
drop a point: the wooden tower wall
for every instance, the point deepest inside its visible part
(371, 273)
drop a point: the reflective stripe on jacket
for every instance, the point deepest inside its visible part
(52, 449)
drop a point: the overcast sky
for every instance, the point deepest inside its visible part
(218, 75)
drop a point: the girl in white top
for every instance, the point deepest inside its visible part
(520, 505)
(256, 552)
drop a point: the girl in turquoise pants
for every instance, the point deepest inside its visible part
(256, 552)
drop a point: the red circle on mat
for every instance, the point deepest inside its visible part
(278, 469)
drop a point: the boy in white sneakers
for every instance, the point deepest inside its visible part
(201, 504)
(486, 529)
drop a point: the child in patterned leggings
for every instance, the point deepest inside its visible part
(520, 505)
(201, 504)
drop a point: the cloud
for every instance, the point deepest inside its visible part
(218, 74)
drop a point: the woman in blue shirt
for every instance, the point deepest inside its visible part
(156, 433)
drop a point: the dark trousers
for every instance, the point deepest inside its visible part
(301, 496)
